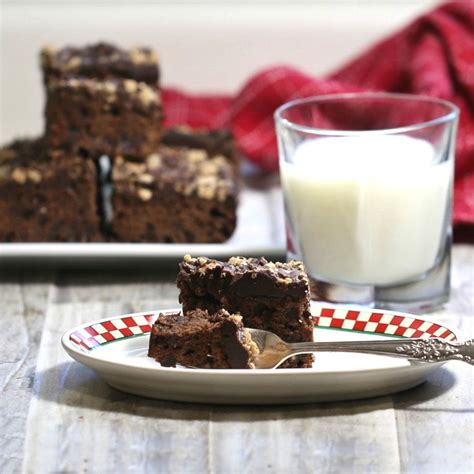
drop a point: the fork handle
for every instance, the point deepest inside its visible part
(426, 350)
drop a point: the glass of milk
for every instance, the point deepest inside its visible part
(367, 181)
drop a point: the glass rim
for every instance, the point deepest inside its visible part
(451, 115)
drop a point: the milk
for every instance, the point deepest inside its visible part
(367, 210)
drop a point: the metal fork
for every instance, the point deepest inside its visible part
(274, 351)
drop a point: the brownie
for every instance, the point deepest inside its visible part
(100, 61)
(44, 199)
(94, 118)
(269, 296)
(176, 195)
(200, 339)
(214, 141)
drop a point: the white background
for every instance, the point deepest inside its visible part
(203, 46)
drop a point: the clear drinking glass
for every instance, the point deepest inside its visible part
(367, 181)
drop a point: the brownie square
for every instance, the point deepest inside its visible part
(46, 200)
(200, 339)
(269, 296)
(94, 118)
(214, 141)
(176, 195)
(100, 61)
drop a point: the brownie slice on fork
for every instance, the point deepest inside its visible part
(199, 339)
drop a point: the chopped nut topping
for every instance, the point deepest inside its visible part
(19, 176)
(73, 63)
(212, 264)
(135, 168)
(284, 281)
(109, 87)
(144, 194)
(206, 187)
(138, 56)
(154, 161)
(283, 273)
(145, 178)
(74, 82)
(34, 176)
(196, 155)
(208, 167)
(130, 85)
(46, 54)
(171, 168)
(146, 94)
(236, 260)
(49, 49)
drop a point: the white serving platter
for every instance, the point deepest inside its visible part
(259, 232)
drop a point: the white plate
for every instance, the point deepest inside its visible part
(116, 349)
(259, 232)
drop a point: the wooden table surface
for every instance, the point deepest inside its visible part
(58, 416)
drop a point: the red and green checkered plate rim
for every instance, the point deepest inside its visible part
(97, 334)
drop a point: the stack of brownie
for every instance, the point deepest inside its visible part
(172, 185)
(220, 300)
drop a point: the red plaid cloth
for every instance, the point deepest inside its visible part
(433, 56)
